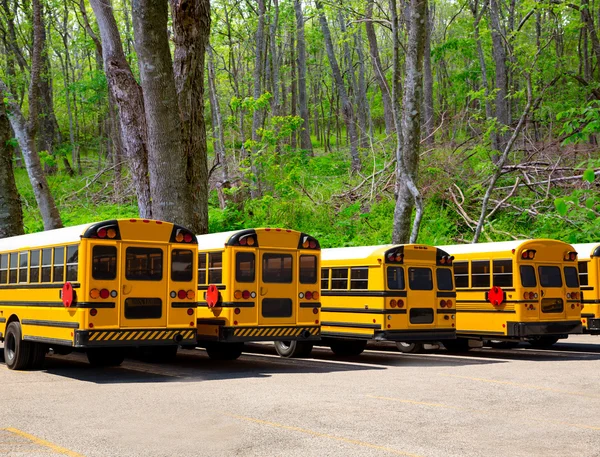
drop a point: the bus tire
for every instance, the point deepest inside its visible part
(37, 355)
(457, 345)
(410, 348)
(16, 351)
(224, 351)
(348, 348)
(543, 342)
(496, 344)
(293, 349)
(105, 357)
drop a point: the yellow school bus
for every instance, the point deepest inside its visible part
(589, 280)
(258, 285)
(400, 293)
(515, 291)
(100, 287)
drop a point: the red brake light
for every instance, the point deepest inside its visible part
(187, 237)
(308, 295)
(312, 244)
(400, 303)
(182, 294)
(243, 242)
(245, 295)
(393, 303)
(104, 293)
(443, 303)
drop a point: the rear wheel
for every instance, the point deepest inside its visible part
(293, 349)
(37, 355)
(348, 348)
(410, 348)
(224, 351)
(105, 357)
(457, 345)
(496, 344)
(543, 342)
(16, 351)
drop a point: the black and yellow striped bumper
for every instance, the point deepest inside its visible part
(304, 333)
(135, 337)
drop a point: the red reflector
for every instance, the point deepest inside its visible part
(132, 220)
(190, 311)
(146, 221)
(182, 294)
(104, 293)
(187, 237)
(315, 310)
(245, 295)
(91, 325)
(93, 312)
(237, 311)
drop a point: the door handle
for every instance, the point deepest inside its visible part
(126, 289)
(263, 291)
(542, 293)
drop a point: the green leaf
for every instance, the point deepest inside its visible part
(561, 206)
(590, 202)
(589, 175)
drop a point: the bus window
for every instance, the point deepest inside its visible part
(46, 265)
(245, 267)
(583, 273)
(503, 273)
(23, 258)
(444, 278)
(550, 276)
(395, 278)
(420, 278)
(480, 273)
(324, 278)
(461, 274)
(308, 269)
(3, 268)
(571, 278)
(339, 278)
(528, 276)
(59, 265)
(72, 262)
(182, 265)
(14, 263)
(359, 278)
(277, 268)
(34, 266)
(104, 262)
(202, 268)
(143, 264)
(215, 268)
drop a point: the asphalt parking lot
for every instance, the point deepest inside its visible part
(520, 402)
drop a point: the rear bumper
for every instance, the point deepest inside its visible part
(526, 329)
(135, 337)
(276, 333)
(593, 326)
(427, 336)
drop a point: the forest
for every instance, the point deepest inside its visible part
(357, 121)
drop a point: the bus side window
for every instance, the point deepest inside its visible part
(503, 273)
(215, 268)
(202, 268)
(59, 264)
(72, 262)
(583, 273)
(339, 278)
(46, 265)
(245, 266)
(14, 263)
(23, 264)
(461, 274)
(308, 269)
(3, 268)
(359, 278)
(324, 278)
(34, 266)
(528, 278)
(480, 273)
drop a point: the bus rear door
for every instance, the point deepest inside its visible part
(421, 298)
(552, 292)
(277, 291)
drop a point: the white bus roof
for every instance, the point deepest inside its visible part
(49, 237)
(354, 253)
(585, 250)
(216, 240)
(501, 246)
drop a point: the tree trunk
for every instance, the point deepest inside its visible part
(347, 109)
(217, 118)
(128, 95)
(305, 142)
(191, 27)
(477, 15)
(363, 103)
(258, 76)
(429, 116)
(167, 158)
(276, 103)
(499, 55)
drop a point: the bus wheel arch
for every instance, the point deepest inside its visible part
(293, 349)
(16, 350)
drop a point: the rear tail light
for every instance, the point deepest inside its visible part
(393, 303)
(94, 293)
(190, 311)
(315, 310)
(190, 294)
(182, 294)
(237, 311)
(449, 303)
(237, 294)
(245, 295)
(312, 244)
(101, 233)
(531, 295)
(308, 295)
(315, 295)
(569, 295)
(251, 241)
(301, 295)
(187, 237)
(443, 303)
(93, 312)
(400, 303)
(104, 293)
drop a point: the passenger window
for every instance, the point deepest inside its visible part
(34, 266)
(444, 278)
(528, 278)
(550, 276)
(182, 265)
(202, 268)
(420, 278)
(46, 265)
(480, 273)
(324, 278)
(215, 268)
(104, 263)
(395, 278)
(571, 277)
(308, 269)
(23, 260)
(59, 265)
(3, 268)
(245, 267)
(14, 263)
(277, 268)
(503, 273)
(72, 262)
(461, 274)
(339, 278)
(359, 278)
(583, 273)
(143, 264)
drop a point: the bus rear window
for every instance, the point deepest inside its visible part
(461, 274)
(395, 278)
(143, 264)
(104, 262)
(550, 276)
(182, 265)
(277, 268)
(571, 277)
(444, 278)
(528, 276)
(245, 267)
(420, 278)
(308, 269)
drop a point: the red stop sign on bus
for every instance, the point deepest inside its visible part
(67, 294)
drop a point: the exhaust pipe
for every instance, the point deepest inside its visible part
(305, 334)
(177, 338)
